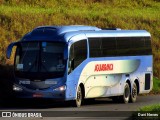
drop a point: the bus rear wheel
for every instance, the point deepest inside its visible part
(133, 96)
(126, 95)
(78, 101)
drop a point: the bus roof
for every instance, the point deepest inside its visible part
(64, 33)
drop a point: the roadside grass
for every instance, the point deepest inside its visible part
(147, 113)
(151, 109)
(154, 108)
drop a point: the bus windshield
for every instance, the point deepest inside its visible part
(40, 57)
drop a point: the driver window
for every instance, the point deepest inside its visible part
(78, 53)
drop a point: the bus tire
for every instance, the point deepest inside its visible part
(78, 101)
(133, 96)
(126, 95)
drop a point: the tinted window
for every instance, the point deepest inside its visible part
(108, 47)
(148, 45)
(137, 46)
(123, 46)
(133, 46)
(102, 47)
(34, 58)
(120, 46)
(78, 52)
(95, 47)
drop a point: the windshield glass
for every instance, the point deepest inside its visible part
(40, 57)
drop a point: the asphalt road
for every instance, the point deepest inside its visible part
(90, 110)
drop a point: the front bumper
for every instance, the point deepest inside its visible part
(45, 93)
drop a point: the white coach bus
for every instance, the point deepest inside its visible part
(81, 62)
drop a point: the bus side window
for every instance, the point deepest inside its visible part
(78, 53)
(95, 47)
(148, 48)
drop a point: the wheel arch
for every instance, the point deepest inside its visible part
(129, 83)
(82, 89)
(137, 84)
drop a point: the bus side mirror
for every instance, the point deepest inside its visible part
(9, 49)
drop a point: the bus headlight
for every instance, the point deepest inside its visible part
(61, 88)
(17, 88)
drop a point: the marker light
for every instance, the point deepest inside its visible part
(17, 88)
(62, 88)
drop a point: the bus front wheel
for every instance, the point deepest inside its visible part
(126, 95)
(78, 101)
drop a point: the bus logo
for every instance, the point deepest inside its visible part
(103, 67)
(6, 114)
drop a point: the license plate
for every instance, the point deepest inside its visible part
(37, 95)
